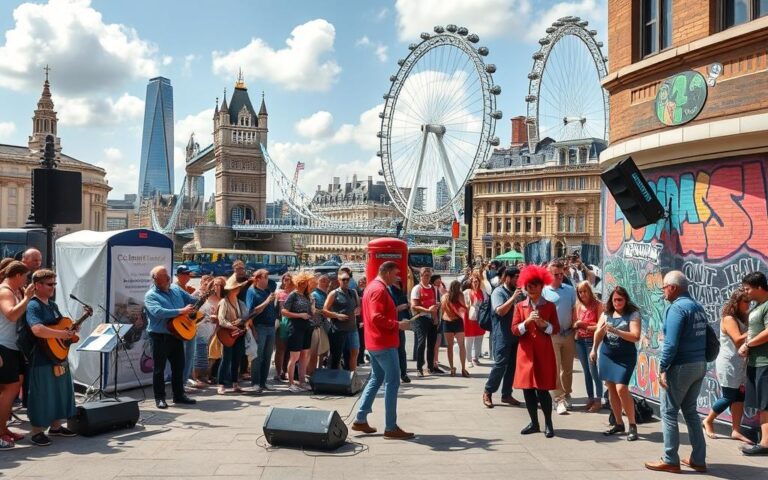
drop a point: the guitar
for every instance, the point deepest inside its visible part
(184, 327)
(57, 349)
(228, 336)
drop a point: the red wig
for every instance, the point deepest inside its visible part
(534, 274)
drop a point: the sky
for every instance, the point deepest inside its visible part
(323, 67)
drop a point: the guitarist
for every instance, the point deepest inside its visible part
(163, 302)
(51, 392)
(231, 313)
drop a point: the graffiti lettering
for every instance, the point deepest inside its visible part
(643, 251)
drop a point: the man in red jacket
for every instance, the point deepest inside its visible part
(382, 338)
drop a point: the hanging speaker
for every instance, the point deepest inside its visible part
(58, 196)
(632, 194)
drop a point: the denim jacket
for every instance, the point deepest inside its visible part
(685, 333)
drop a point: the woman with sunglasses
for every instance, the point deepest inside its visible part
(730, 367)
(51, 391)
(617, 331)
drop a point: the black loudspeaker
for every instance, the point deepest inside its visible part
(92, 418)
(58, 196)
(305, 428)
(632, 194)
(335, 382)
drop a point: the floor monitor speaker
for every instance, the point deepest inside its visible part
(335, 382)
(305, 428)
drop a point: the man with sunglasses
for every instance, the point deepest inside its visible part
(344, 305)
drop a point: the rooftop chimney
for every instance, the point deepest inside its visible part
(519, 131)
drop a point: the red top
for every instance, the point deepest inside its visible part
(472, 327)
(379, 317)
(536, 366)
(588, 317)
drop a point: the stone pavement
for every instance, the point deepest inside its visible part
(457, 437)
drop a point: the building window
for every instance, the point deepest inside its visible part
(498, 225)
(508, 225)
(508, 207)
(527, 205)
(498, 207)
(572, 153)
(656, 31)
(518, 225)
(517, 207)
(561, 223)
(538, 224)
(736, 12)
(528, 224)
(580, 224)
(488, 225)
(538, 205)
(571, 224)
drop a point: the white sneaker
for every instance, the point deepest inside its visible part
(561, 410)
(256, 389)
(306, 387)
(295, 389)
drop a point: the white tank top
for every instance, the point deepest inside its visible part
(8, 328)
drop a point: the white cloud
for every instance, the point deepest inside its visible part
(364, 132)
(188, 59)
(493, 18)
(201, 124)
(383, 13)
(317, 125)
(7, 129)
(122, 176)
(84, 52)
(595, 11)
(302, 65)
(167, 60)
(97, 111)
(379, 49)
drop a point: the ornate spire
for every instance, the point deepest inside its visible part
(45, 102)
(216, 108)
(240, 82)
(223, 107)
(263, 109)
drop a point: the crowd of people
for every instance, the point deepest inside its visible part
(540, 319)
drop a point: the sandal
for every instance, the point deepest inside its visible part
(465, 374)
(619, 428)
(221, 390)
(420, 372)
(453, 372)
(237, 389)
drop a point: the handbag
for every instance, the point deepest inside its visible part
(251, 347)
(713, 344)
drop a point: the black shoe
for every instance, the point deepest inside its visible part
(40, 439)
(61, 432)
(185, 400)
(549, 432)
(632, 435)
(614, 430)
(405, 379)
(749, 450)
(437, 370)
(161, 404)
(531, 428)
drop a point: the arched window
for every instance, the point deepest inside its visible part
(242, 214)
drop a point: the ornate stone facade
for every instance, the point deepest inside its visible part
(17, 163)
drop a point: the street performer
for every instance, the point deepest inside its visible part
(51, 391)
(163, 302)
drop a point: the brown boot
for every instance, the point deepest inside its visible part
(487, 400)
(397, 434)
(660, 466)
(363, 427)
(510, 400)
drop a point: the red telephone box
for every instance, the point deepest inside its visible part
(384, 250)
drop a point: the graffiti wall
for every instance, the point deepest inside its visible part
(717, 232)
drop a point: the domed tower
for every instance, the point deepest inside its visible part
(44, 123)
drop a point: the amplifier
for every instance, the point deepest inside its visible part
(305, 428)
(92, 418)
(335, 382)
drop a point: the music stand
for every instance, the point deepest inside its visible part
(105, 339)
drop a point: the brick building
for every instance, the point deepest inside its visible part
(687, 90)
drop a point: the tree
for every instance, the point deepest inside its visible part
(210, 215)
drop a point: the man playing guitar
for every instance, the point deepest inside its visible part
(164, 301)
(51, 391)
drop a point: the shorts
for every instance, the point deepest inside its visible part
(455, 326)
(757, 388)
(12, 364)
(300, 336)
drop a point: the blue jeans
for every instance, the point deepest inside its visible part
(583, 347)
(229, 367)
(265, 340)
(504, 362)
(385, 369)
(684, 382)
(190, 346)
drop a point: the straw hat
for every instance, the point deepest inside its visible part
(232, 283)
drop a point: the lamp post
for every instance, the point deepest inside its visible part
(47, 162)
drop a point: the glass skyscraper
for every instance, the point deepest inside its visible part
(156, 174)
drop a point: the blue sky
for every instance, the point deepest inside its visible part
(323, 66)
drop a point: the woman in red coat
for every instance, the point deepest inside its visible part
(534, 320)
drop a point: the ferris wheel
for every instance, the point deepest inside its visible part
(565, 98)
(438, 124)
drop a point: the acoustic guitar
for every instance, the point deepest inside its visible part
(57, 349)
(228, 336)
(184, 327)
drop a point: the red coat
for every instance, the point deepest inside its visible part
(536, 365)
(472, 327)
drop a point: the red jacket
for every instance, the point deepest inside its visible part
(379, 317)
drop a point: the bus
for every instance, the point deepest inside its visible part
(14, 241)
(218, 261)
(418, 258)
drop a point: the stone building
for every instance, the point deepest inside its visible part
(354, 201)
(17, 163)
(687, 96)
(122, 214)
(550, 196)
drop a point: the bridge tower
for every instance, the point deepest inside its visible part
(241, 174)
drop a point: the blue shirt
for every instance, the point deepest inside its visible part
(501, 324)
(162, 306)
(564, 299)
(685, 333)
(256, 297)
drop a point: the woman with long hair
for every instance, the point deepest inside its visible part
(730, 367)
(454, 311)
(230, 315)
(282, 292)
(535, 321)
(207, 327)
(473, 333)
(588, 310)
(617, 331)
(437, 330)
(298, 308)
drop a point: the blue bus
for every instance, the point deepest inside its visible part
(14, 241)
(218, 261)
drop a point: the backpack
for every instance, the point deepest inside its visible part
(485, 314)
(712, 344)
(643, 412)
